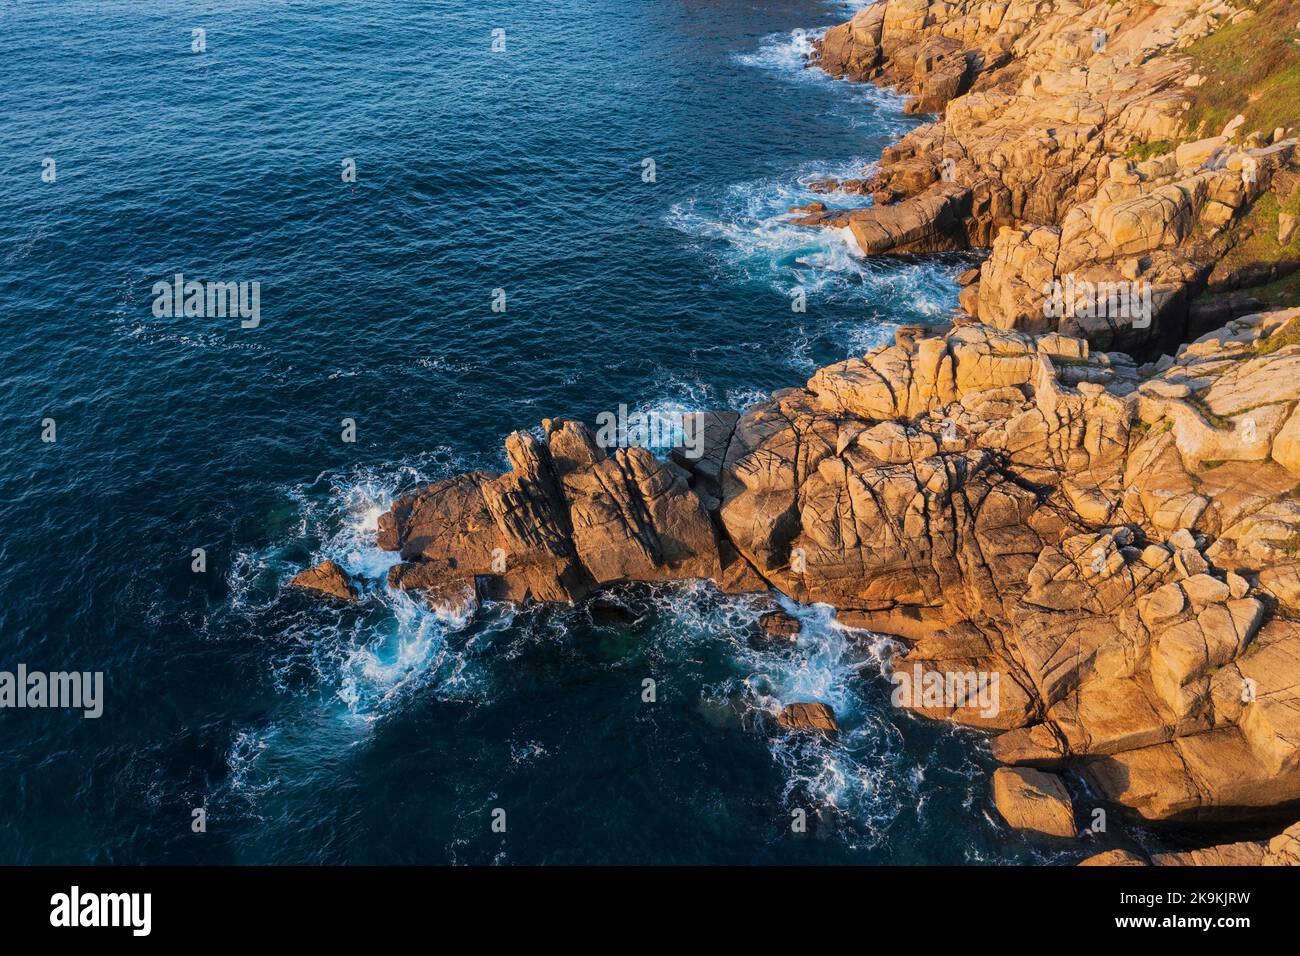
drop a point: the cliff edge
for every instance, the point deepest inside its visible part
(1099, 506)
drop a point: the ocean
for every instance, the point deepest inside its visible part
(556, 209)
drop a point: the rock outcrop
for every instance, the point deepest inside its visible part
(1114, 858)
(566, 519)
(326, 578)
(808, 716)
(1117, 543)
(779, 627)
(1281, 850)
(1034, 802)
(1099, 556)
(1048, 112)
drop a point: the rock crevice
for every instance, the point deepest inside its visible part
(1048, 110)
(1116, 542)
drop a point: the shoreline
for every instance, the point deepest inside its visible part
(1006, 499)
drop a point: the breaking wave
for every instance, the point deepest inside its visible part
(366, 655)
(748, 232)
(337, 669)
(352, 665)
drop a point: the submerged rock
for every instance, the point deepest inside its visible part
(442, 586)
(778, 627)
(605, 611)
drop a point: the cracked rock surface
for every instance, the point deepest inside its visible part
(1117, 542)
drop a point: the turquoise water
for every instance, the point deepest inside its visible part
(382, 733)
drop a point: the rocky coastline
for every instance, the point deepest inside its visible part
(1100, 506)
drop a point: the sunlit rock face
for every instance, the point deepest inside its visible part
(1115, 542)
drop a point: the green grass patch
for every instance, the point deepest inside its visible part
(1289, 334)
(1143, 151)
(1252, 68)
(1258, 244)
(1258, 229)
(1213, 420)
(1283, 293)
(1292, 203)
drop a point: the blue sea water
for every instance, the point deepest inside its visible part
(383, 733)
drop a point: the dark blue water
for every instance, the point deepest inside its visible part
(382, 733)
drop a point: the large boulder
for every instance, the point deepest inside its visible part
(808, 716)
(1034, 802)
(930, 222)
(1029, 514)
(778, 627)
(326, 578)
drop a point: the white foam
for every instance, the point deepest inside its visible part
(858, 104)
(366, 656)
(862, 774)
(760, 242)
(784, 52)
(748, 231)
(242, 762)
